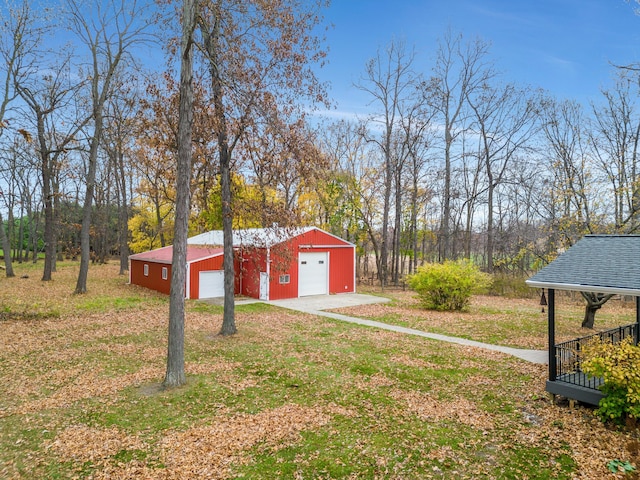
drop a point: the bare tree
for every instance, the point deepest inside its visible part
(391, 83)
(258, 57)
(117, 144)
(175, 375)
(504, 119)
(110, 36)
(50, 99)
(615, 137)
(19, 35)
(460, 70)
(573, 186)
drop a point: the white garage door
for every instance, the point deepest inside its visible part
(211, 284)
(313, 273)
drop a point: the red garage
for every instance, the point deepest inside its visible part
(270, 264)
(204, 271)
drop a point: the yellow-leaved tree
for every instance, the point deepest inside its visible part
(151, 226)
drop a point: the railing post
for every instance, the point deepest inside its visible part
(552, 334)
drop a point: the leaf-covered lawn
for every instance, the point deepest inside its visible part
(514, 322)
(290, 396)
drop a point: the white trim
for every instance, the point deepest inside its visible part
(165, 273)
(145, 269)
(187, 283)
(354, 270)
(332, 235)
(268, 272)
(584, 288)
(263, 294)
(325, 246)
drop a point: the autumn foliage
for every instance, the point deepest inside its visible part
(448, 285)
(292, 395)
(619, 367)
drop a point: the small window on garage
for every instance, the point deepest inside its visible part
(165, 273)
(286, 278)
(146, 270)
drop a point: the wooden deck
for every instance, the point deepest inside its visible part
(576, 386)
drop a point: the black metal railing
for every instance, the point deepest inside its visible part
(568, 358)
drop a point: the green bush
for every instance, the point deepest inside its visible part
(619, 366)
(448, 285)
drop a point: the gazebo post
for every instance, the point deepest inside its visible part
(552, 334)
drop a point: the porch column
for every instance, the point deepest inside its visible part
(552, 334)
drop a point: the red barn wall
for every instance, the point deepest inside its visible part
(154, 280)
(253, 261)
(341, 270)
(250, 262)
(214, 263)
(284, 260)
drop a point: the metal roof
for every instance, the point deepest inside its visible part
(250, 237)
(596, 263)
(165, 254)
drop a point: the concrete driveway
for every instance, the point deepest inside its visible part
(316, 303)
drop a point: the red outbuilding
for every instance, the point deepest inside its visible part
(270, 264)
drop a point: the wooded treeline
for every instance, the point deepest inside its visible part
(454, 161)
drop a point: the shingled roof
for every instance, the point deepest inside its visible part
(596, 263)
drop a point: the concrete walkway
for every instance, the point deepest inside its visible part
(317, 305)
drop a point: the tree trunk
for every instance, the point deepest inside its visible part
(228, 320)
(175, 375)
(49, 227)
(211, 41)
(490, 227)
(123, 214)
(85, 230)
(384, 240)
(445, 226)
(590, 315)
(6, 249)
(595, 301)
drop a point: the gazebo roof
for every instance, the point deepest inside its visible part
(596, 263)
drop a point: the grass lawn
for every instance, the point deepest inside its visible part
(514, 322)
(290, 396)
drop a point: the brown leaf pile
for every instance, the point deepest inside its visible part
(458, 409)
(55, 365)
(80, 443)
(203, 452)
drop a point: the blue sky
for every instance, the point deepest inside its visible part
(563, 46)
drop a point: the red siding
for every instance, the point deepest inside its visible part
(342, 270)
(154, 280)
(250, 262)
(284, 260)
(214, 263)
(341, 263)
(254, 261)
